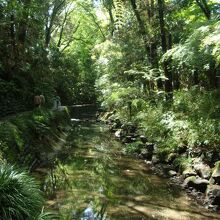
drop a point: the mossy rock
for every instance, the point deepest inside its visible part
(197, 183)
(213, 194)
(215, 178)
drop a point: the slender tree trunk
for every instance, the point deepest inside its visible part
(62, 29)
(205, 8)
(141, 25)
(196, 77)
(23, 25)
(167, 72)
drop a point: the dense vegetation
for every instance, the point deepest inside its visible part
(153, 64)
(160, 71)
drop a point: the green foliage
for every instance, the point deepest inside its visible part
(29, 135)
(199, 53)
(20, 197)
(132, 148)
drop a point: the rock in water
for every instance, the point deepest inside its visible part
(196, 182)
(213, 194)
(203, 170)
(172, 173)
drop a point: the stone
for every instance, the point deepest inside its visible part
(196, 183)
(213, 194)
(146, 154)
(215, 178)
(172, 173)
(203, 170)
(155, 159)
(188, 172)
(211, 157)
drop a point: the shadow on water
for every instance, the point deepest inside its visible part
(94, 180)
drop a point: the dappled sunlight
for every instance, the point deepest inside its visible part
(99, 174)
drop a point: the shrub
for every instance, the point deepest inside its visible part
(20, 197)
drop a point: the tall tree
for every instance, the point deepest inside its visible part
(167, 72)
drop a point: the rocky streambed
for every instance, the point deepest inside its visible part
(196, 170)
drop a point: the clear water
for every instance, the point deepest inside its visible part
(94, 178)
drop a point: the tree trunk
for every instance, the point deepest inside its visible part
(141, 25)
(23, 25)
(204, 7)
(167, 72)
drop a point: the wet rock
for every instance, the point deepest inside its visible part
(213, 194)
(211, 157)
(215, 178)
(172, 173)
(144, 153)
(189, 172)
(196, 183)
(148, 162)
(155, 159)
(203, 170)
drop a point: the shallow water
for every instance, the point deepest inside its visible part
(94, 177)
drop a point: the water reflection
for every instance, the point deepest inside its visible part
(94, 180)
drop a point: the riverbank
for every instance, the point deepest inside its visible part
(197, 170)
(27, 138)
(27, 141)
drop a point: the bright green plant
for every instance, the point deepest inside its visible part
(20, 197)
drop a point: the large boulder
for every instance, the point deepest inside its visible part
(211, 157)
(188, 171)
(213, 194)
(196, 183)
(215, 178)
(203, 170)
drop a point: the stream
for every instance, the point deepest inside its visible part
(95, 180)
